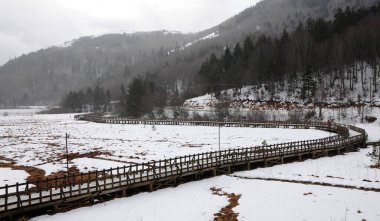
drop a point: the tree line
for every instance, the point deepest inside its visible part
(92, 99)
(142, 96)
(315, 49)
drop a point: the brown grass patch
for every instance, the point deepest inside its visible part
(226, 213)
(53, 144)
(92, 154)
(40, 180)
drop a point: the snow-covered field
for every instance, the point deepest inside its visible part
(39, 141)
(21, 112)
(260, 200)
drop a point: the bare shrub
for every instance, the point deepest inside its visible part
(295, 115)
(309, 114)
(258, 116)
(370, 119)
(180, 113)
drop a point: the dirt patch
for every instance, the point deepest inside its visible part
(376, 166)
(335, 177)
(53, 144)
(195, 145)
(38, 178)
(92, 154)
(226, 213)
(141, 153)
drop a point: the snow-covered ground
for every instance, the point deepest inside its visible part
(351, 169)
(260, 200)
(21, 112)
(10, 176)
(38, 141)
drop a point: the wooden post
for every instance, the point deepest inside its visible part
(124, 193)
(150, 186)
(6, 197)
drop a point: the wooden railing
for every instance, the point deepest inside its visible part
(29, 195)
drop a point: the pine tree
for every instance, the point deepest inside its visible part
(134, 100)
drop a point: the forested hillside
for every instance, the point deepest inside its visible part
(320, 53)
(44, 76)
(329, 66)
(320, 62)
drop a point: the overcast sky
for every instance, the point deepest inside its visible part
(29, 25)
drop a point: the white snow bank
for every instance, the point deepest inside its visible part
(351, 169)
(260, 200)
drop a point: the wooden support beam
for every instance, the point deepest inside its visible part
(214, 173)
(124, 193)
(150, 187)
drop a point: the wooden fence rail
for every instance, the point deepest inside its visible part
(22, 197)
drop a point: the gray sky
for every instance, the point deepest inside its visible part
(29, 25)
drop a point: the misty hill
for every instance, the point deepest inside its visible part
(44, 76)
(47, 74)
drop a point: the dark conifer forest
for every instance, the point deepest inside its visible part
(325, 49)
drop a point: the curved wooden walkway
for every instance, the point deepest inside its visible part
(48, 194)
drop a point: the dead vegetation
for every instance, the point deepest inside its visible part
(40, 180)
(92, 154)
(226, 213)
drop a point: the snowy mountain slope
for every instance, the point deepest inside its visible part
(289, 93)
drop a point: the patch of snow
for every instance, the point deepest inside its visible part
(209, 36)
(50, 168)
(9, 176)
(89, 164)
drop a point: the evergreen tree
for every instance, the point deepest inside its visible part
(308, 84)
(135, 97)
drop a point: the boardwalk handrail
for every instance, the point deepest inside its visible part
(29, 194)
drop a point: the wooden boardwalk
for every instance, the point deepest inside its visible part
(50, 194)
